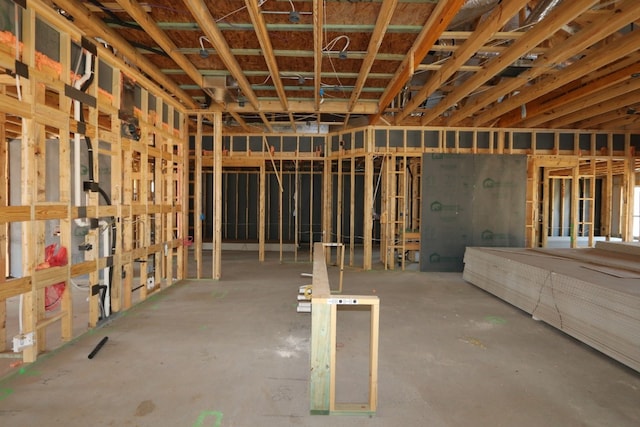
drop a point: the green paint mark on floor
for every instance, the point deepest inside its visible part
(28, 372)
(219, 294)
(200, 422)
(496, 320)
(5, 392)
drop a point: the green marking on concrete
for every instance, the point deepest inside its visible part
(28, 372)
(496, 320)
(219, 294)
(5, 392)
(203, 416)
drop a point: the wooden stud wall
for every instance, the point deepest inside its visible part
(561, 151)
(146, 184)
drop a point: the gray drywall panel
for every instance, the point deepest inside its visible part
(499, 200)
(469, 200)
(446, 224)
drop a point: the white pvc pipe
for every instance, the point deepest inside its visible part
(77, 136)
(106, 251)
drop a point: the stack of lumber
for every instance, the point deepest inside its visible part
(591, 294)
(304, 296)
(304, 299)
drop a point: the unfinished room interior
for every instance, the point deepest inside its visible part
(320, 212)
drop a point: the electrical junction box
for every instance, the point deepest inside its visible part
(22, 341)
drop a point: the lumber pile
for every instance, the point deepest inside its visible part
(591, 294)
(304, 299)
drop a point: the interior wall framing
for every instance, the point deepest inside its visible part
(125, 234)
(364, 165)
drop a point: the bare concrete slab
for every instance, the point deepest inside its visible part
(236, 353)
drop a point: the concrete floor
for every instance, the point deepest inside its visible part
(236, 353)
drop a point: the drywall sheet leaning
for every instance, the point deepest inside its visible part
(591, 294)
(470, 200)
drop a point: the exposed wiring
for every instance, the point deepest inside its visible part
(332, 44)
(260, 3)
(201, 38)
(267, 79)
(116, 19)
(328, 48)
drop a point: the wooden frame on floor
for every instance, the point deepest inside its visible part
(324, 308)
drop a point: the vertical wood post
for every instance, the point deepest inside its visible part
(261, 216)
(197, 198)
(368, 201)
(217, 195)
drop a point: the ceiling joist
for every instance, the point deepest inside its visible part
(555, 20)
(500, 15)
(508, 63)
(437, 22)
(604, 26)
(267, 50)
(201, 14)
(94, 27)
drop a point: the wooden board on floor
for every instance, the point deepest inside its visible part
(595, 307)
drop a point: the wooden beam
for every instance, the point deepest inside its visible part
(267, 50)
(262, 211)
(368, 207)
(142, 17)
(4, 241)
(352, 214)
(500, 15)
(606, 25)
(593, 110)
(436, 67)
(558, 17)
(436, 23)
(207, 23)
(217, 195)
(318, 44)
(594, 59)
(266, 122)
(382, 23)
(611, 116)
(622, 91)
(273, 163)
(95, 27)
(322, 380)
(541, 106)
(197, 196)
(629, 122)
(241, 121)
(327, 198)
(292, 121)
(335, 106)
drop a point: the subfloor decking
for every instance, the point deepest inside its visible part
(236, 353)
